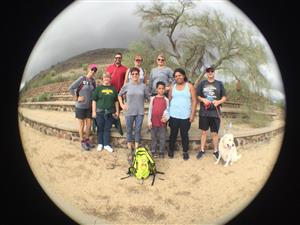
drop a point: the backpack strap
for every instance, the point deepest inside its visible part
(81, 85)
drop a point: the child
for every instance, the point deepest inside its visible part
(157, 118)
(104, 101)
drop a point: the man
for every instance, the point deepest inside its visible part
(117, 72)
(211, 94)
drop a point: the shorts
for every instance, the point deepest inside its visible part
(83, 113)
(209, 122)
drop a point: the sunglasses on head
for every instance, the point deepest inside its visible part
(161, 60)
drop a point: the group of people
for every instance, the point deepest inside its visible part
(172, 101)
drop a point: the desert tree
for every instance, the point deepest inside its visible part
(192, 39)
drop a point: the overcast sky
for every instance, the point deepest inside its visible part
(92, 24)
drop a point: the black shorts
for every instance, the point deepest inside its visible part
(209, 122)
(83, 113)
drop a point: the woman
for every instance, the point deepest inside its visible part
(82, 90)
(183, 101)
(105, 101)
(135, 93)
(137, 64)
(160, 73)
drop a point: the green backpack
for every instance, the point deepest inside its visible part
(143, 165)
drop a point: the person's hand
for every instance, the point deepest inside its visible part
(80, 98)
(192, 117)
(94, 114)
(124, 106)
(150, 125)
(163, 120)
(116, 115)
(206, 102)
(216, 103)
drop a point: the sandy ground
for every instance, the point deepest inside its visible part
(88, 188)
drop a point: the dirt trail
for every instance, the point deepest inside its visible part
(192, 192)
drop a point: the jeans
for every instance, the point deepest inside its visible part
(183, 125)
(158, 133)
(104, 123)
(138, 120)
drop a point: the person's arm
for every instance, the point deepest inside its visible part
(72, 88)
(117, 113)
(200, 95)
(145, 77)
(120, 98)
(194, 102)
(170, 94)
(126, 77)
(146, 93)
(150, 112)
(166, 117)
(94, 109)
(150, 81)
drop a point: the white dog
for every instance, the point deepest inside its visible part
(227, 150)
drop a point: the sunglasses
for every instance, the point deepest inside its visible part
(134, 73)
(138, 60)
(161, 60)
(94, 69)
(118, 57)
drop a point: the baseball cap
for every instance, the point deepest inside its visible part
(210, 68)
(92, 66)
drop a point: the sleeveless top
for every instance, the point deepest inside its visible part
(181, 102)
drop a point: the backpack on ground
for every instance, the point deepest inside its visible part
(143, 165)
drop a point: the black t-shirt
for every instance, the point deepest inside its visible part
(212, 91)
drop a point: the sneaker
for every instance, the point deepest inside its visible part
(108, 148)
(171, 154)
(161, 155)
(85, 146)
(200, 154)
(155, 155)
(186, 156)
(100, 147)
(88, 143)
(216, 154)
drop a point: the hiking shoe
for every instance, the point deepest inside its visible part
(216, 154)
(186, 156)
(171, 154)
(108, 148)
(100, 147)
(85, 146)
(161, 155)
(200, 154)
(88, 143)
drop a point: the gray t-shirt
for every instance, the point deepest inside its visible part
(86, 91)
(164, 74)
(135, 96)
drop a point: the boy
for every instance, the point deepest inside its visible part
(157, 118)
